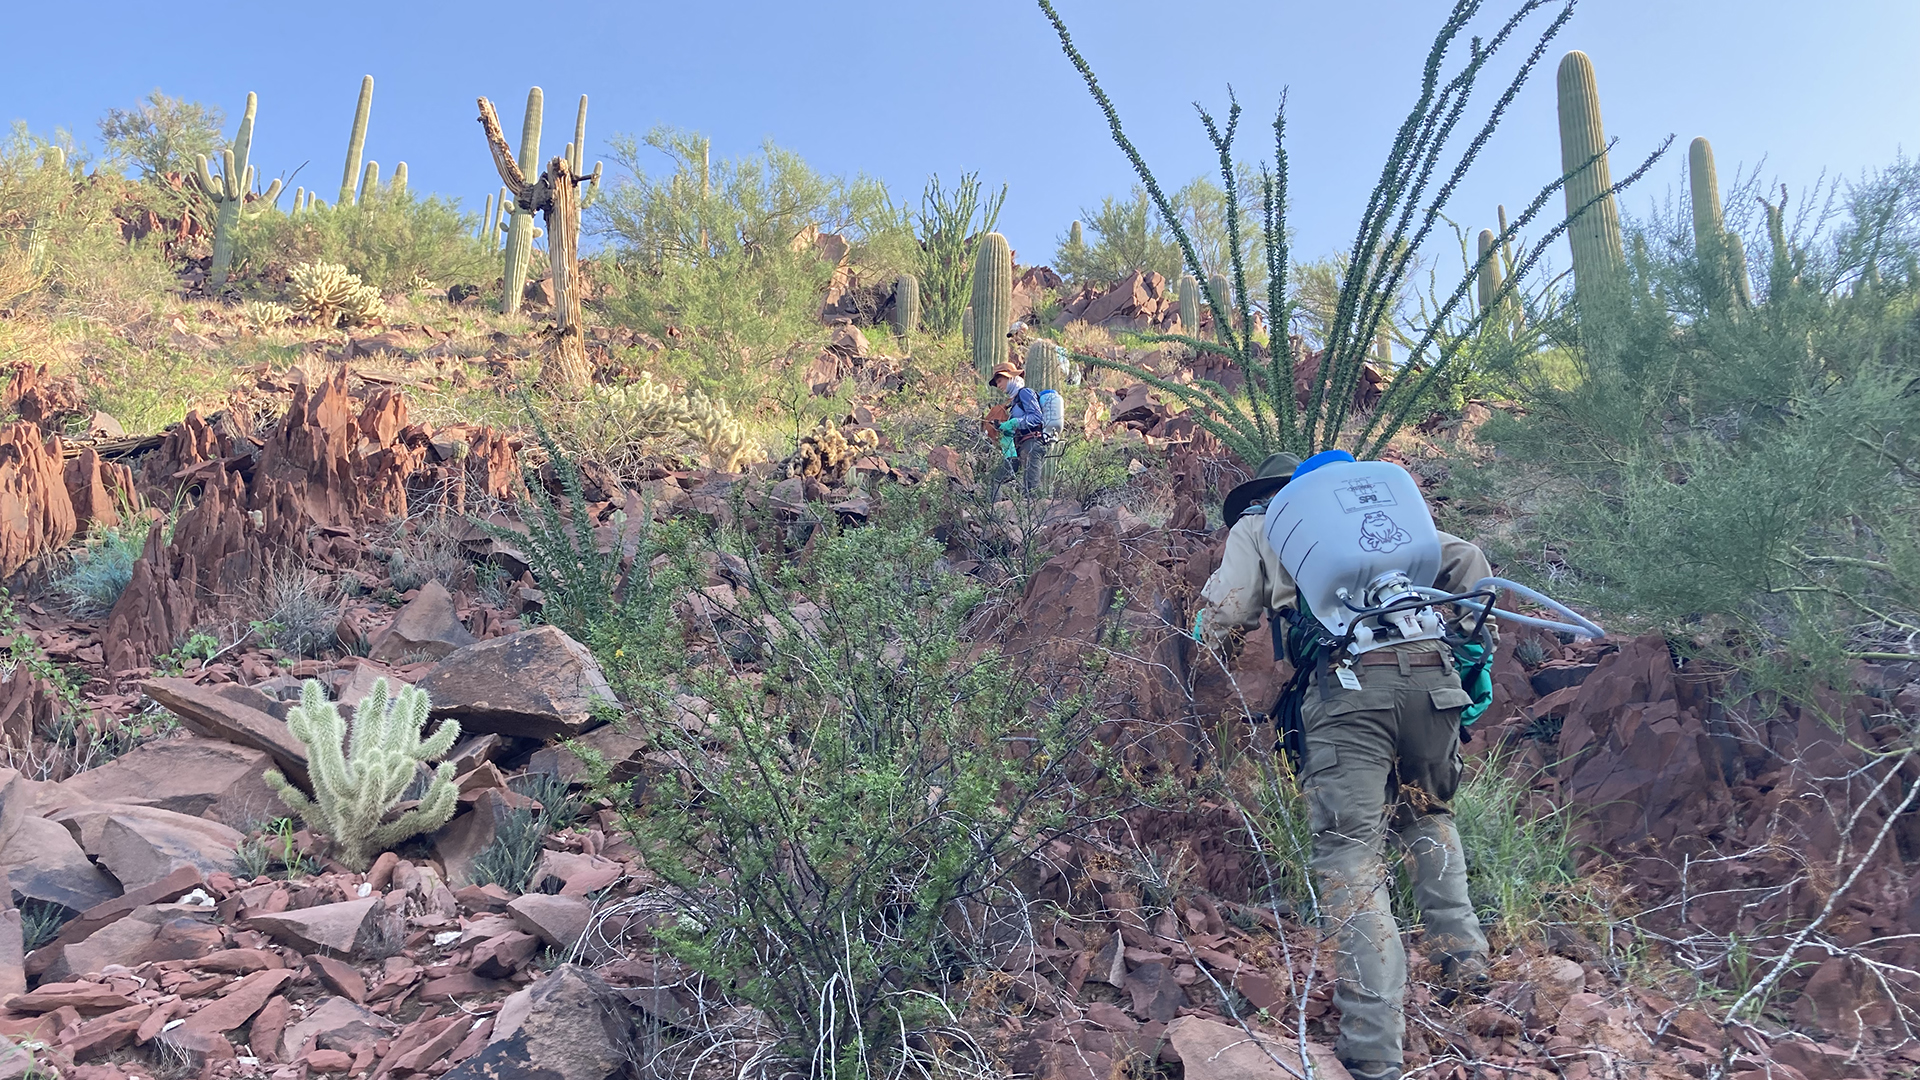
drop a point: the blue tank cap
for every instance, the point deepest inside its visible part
(1324, 457)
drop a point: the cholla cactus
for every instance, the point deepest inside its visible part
(712, 424)
(333, 297)
(826, 453)
(647, 410)
(351, 795)
(265, 314)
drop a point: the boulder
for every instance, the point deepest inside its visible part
(335, 1024)
(560, 921)
(36, 515)
(195, 776)
(210, 713)
(427, 627)
(344, 928)
(618, 745)
(536, 684)
(1210, 1050)
(573, 1028)
(141, 845)
(43, 862)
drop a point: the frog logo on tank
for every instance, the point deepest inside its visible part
(1379, 533)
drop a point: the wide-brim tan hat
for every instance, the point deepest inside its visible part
(1010, 371)
(1273, 475)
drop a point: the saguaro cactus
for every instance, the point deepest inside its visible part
(1189, 304)
(1599, 258)
(351, 795)
(577, 155)
(1720, 252)
(906, 308)
(228, 191)
(992, 302)
(1046, 366)
(555, 195)
(1223, 295)
(370, 181)
(520, 232)
(1490, 278)
(356, 142)
(398, 185)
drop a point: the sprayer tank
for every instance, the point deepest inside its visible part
(1344, 524)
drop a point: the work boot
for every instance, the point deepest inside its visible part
(1373, 1070)
(1463, 975)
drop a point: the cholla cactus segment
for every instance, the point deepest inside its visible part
(825, 453)
(265, 314)
(729, 446)
(354, 791)
(333, 297)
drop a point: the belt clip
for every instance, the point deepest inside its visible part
(1406, 665)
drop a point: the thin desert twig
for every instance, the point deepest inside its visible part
(1758, 991)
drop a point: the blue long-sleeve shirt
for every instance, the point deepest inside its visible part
(1025, 407)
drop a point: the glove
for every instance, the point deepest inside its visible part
(1476, 677)
(1009, 427)
(1007, 448)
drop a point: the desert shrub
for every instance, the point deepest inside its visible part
(1129, 234)
(59, 236)
(520, 833)
(98, 573)
(163, 134)
(950, 235)
(579, 579)
(837, 839)
(393, 241)
(1745, 479)
(301, 611)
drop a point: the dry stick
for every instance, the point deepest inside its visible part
(1765, 986)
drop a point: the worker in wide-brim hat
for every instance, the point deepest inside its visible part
(1021, 434)
(1378, 749)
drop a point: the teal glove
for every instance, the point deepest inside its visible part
(1007, 449)
(1476, 678)
(1009, 427)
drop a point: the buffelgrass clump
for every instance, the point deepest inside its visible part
(520, 834)
(302, 611)
(97, 574)
(40, 921)
(1520, 858)
(1403, 210)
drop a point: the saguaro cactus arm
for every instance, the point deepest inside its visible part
(356, 141)
(555, 194)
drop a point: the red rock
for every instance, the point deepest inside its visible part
(461, 984)
(582, 874)
(239, 1005)
(36, 515)
(560, 921)
(1210, 1050)
(232, 962)
(339, 977)
(180, 882)
(428, 626)
(264, 1034)
(450, 1034)
(328, 1061)
(538, 683)
(197, 1047)
(338, 1024)
(141, 845)
(209, 713)
(341, 928)
(200, 777)
(500, 957)
(42, 861)
(100, 1037)
(84, 996)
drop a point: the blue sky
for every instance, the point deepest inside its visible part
(903, 89)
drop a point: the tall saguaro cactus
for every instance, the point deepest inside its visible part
(520, 231)
(1599, 258)
(992, 302)
(356, 142)
(1490, 276)
(1720, 252)
(906, 309)
(398, 185)
(1222, 295)
(228, 191)
(555, 194)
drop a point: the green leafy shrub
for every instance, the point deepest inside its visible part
(353, 794)
(835, 839)
(566, 560)
(394, 241)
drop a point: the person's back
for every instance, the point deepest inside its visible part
(1374, 723)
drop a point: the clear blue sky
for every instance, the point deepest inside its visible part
(903, 89)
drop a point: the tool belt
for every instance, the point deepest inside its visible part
(1391, 657)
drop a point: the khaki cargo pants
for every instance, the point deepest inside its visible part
(1385, 757)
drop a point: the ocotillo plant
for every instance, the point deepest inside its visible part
(520, 232)
(1408, 202)
(1190, 305)
(992, 302)
(906, 309)
(1720, 253)
(1599, 259)
(228, 191)
(356, 142)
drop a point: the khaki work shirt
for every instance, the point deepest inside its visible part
(1251, 582)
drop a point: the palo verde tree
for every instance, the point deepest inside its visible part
(1416, 182)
